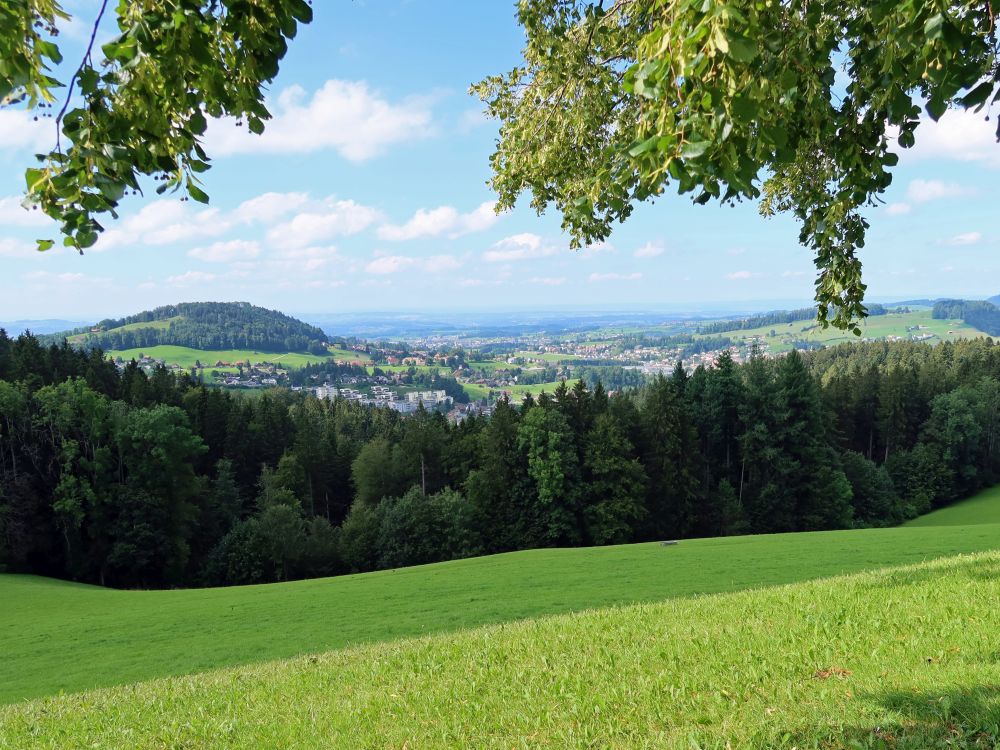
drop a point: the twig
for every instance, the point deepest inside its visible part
(76, 74)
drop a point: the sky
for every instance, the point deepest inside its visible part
(368, 192)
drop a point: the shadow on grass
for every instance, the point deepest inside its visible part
(959, 719)
(985, 569)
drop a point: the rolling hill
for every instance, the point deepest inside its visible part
(61, 636)
(899, 658)
(205, 326)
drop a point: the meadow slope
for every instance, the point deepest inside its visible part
(61, 636)
(903, 658)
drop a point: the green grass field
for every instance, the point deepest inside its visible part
(876, 327)
(64, 636)
(186, 357)
(903, 658)
(981, 509)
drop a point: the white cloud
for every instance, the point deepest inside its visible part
(736, 251)
(19, 130)
(226, 252)
(269, 207)
(190, 278)
(966, 238)
(164, 222)
(963, 135)
(388, 264)
(650, 250)
(437, 221)
(922, 191)
(547, 280)
(11, 248)
(345, 116)
(615, 276)
(67, 278)
(331, 218)
(13, 214)
(741, 275)
(524, 246)
(898, 209)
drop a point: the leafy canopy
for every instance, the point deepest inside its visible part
(140, 104)
(734, 99)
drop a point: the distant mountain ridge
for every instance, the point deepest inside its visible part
(204, 325)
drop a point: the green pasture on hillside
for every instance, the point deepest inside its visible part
(983, 508)
(64, 636)
(184, 356)
(875, 327)
(904, 658)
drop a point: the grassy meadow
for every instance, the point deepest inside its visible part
(876, 327)
(185, 357)
(902, 658)
(61, 636)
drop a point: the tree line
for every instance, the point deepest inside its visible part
(136, 480)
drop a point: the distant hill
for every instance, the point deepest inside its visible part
(983, 315)
(204, 325)
(37, 327)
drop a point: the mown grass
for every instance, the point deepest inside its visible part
(903, 658)
(63, 636)
(184, 356)
(981, 509)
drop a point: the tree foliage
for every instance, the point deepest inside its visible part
(729, 101)
(139, 106)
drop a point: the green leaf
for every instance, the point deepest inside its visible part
(643, 146)
(44, 245)
(936, 107)
(741, 48)
(197, 193)
(694, 149)
(934, 28)
(978, 95)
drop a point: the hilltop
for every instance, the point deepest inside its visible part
(205, 326)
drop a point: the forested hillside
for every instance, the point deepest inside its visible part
(207, 325)
(136, 480)
(983, 315)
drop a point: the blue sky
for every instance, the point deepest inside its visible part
(368, 192)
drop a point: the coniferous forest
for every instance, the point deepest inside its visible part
(136, 480)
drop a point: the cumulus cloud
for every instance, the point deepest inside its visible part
(650, 250)
(524, 246)
(330, 218)
(390, 264)
(67, 278)
(898, 209)
(11, 248)
(269, 207)
(442, 220)
(164, 222)
(19, 130)
(226, 252)
(191, 278)
(966, 238)
(344, 116)
(13, 214)
(741, 275)
(922, 191)
(547, 280)
(615, 276)
(963, 135)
